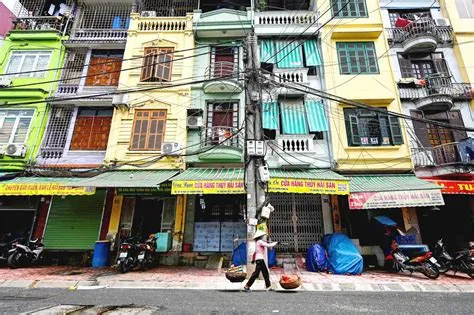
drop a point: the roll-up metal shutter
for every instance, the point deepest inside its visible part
(74, 222)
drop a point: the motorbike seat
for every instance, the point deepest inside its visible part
(3, 244)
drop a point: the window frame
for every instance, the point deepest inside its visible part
(343, 47)
(436, 59)
(24, 54)
(337, 4)
(96, 110)
(155, 53)
(16, 124)
(147, 134)
(352, 117)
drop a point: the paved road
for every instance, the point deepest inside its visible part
(120, 301)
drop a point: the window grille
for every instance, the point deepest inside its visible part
(74, 66)
(106, 16)
(30, 8)
(58, 127)
(168, 7)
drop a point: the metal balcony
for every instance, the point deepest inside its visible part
(88, 37)
(225, 144)
(422, 35)
(42, 23)
(438, 93)
(226, 75)
(449, 154)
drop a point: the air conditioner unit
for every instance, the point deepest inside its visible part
(442, 22)
(12, 149)
(5, 82)
(194, 122)
(171, 148)
(2, 151)
(120, 99)
(148, 14)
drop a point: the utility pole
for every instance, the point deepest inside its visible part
(255, 193)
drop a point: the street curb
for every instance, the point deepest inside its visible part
(227, 286)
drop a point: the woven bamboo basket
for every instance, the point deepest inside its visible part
(236, 276)
(296, 283)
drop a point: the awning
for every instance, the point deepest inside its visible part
(270, 116)
(313, 58)
(209, 181)
(311, 181)
(290, 54)
(34, 186)
(267, 51)
(316, 115)
(393, 191)
(454, 186)
(132, 179)
(293, 117)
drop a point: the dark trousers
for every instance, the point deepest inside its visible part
(260, 266)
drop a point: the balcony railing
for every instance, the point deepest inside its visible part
(293, 76)
(41, 23)
(296, 143)
(51, 153)
(438, 85)
(285, 17)
(65, 89)
(223, 136)
(420, 27)
(161, 24)
(461, 152)
(222, 70)
(98, 35)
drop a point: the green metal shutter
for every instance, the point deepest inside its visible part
(316, 115)
(354, 130)
(293, 118)
(267, 51)
(313, 58)
(270, 115)
(396, 130)
(74, 222)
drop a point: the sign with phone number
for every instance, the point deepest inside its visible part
(51, 189)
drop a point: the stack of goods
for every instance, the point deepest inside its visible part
(290, 282)
(235, 274)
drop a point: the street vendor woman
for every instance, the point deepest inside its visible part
(258, 257)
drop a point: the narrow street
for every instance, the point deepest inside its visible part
(116, 301)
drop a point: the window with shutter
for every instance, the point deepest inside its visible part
(420, 128)
(148, 130)
(157, 65)
(104, 68)
(349, 8)
(91, 129)
(357, 58)
(370, 128)
(455, 119)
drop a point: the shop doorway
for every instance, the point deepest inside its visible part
(17, 216)
(147, 217)
(297, 221)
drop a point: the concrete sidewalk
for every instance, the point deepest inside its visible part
(165, 277)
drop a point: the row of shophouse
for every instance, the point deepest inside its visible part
(138, 124)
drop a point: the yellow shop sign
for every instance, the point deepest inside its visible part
(32, 189)
(207, 187)
(308, 186)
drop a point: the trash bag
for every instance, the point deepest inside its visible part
(272, 258)
(239, 256)
(343, 256)
(316, 258)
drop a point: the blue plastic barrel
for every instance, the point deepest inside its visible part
(101, 255)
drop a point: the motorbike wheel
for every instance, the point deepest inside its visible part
(144, 265)
(430, 270)
(124, 268)
(14, 260)
(444, 267)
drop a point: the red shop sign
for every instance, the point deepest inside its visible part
(455, 186)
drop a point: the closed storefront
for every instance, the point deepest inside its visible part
(17, 216)
(74, 222)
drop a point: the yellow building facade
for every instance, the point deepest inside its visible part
(460, 16)
(357, 67)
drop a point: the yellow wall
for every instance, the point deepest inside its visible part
(174, 99)
(372, 89)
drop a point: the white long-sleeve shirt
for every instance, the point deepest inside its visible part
(260, 248)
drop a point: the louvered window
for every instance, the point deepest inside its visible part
(148, 130)
(157, 65)
(421, 66)
(56, 134)
(357, 58)
(370, 128)
(355, 8)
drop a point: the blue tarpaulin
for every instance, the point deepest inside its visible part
(343, 256)
(239, 257)
(316, 258)
(385, 220)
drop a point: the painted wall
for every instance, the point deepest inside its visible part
(36, 94)
(175, 100)
(373, 89)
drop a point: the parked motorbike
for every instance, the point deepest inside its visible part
(25, 254)
(463, 262)
(146, 254)
(6, 245)
(426, 264)
(133, 254)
